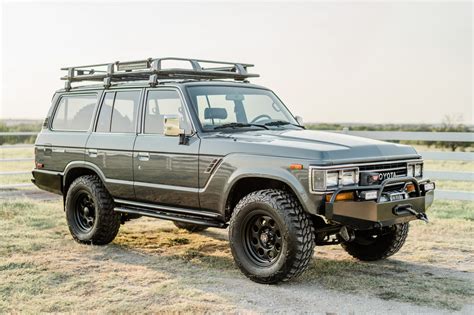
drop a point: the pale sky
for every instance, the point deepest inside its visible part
(363, 62)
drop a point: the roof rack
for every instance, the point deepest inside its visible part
(151, 69)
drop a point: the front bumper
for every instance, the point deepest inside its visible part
(376, 213)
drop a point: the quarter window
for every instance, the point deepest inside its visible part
(74, 112)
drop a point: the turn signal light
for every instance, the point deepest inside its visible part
(296, 166)
(39, 165)
(410, 188)
(341, 196)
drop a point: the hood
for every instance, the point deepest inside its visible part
(326, 147)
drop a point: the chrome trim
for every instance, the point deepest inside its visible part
(386, 169)
(362, 164)
(340, 176)
(348, 166)
(415, 163)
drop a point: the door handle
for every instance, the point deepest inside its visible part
(92, 152)
(143, 156)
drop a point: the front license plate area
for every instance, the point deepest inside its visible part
(393, 196)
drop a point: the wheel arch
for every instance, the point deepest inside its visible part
(75, 170)
(245, 183)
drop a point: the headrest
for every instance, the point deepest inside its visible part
(215, 113)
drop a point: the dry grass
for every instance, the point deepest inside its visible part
(13, 153)
(152, 266)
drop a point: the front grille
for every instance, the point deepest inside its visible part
(400, 168)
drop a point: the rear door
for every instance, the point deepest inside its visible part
(166, 172)
(110, 146)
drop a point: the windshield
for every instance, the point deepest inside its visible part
(221, 107)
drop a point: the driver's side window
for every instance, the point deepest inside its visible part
(160, 104)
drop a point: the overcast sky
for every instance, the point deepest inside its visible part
(373, 62)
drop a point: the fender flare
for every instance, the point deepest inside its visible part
(82, 164)
(278, 174)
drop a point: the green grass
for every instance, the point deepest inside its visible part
(455, 185)
(16, 166)
(15, 179)
(12, 153)
(452, 209)
(458, 166)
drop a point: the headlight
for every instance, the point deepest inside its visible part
(332, 179)
(321, 180)
(415, 169)
(349, 177)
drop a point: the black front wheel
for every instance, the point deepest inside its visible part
(90, 212)
(271, 237)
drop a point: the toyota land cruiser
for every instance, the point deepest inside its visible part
(203, 147)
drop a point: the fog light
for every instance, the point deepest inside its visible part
(369, 194)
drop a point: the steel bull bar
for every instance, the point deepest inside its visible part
(377, 213)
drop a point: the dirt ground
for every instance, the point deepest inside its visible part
(153, 267)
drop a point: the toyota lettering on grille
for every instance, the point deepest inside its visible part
(387, 175)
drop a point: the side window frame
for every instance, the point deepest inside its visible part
(145, 103)
(138, 121)
(97, 94)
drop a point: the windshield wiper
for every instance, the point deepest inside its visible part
(282, 123)
(239, 125)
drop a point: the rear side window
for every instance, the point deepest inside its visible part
(119, 112)
(74, 112)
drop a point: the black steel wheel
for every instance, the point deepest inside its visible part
(262, 237)
(90, 211)
(84, 211)
(271, 237)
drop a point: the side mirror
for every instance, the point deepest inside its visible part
(171, 126)
(299, 119)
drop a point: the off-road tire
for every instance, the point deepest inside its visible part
(384, 245)
(106, 221)
(190, 227)
(296, 236)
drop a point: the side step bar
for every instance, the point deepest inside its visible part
(173, 216)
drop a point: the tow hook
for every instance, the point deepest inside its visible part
(405, 209)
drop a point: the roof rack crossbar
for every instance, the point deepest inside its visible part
(151, 69)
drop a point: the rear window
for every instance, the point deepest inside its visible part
(74, 112)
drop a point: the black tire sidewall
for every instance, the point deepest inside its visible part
(284, 262)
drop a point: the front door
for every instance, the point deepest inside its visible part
(165, 172)
(110, 145)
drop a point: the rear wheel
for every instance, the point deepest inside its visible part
(271, 237)
(90, 212)
(189, 226)
(375, 245)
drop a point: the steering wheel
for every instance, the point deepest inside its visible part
(260, 117)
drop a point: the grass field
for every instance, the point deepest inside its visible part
(152, 266)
